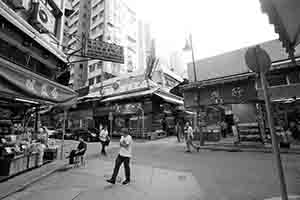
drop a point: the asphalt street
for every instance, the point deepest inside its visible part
(217, 174)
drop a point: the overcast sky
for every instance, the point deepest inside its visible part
(217, 26)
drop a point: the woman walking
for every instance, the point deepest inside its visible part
(104, 139)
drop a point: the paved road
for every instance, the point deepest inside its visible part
(218, 175)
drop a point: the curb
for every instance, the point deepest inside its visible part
(229, 149)
(30, 182)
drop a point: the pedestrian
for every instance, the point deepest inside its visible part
(81, 149)
(178, 131)
(124, 156)
(224, 128)
(104, 140)
(164, 125)
(188, 131)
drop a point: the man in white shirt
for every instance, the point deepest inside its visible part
(124, 156)
(189, 137)
(104, 139)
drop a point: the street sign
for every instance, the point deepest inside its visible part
(104, 51)
(257, 59)
(110, 116)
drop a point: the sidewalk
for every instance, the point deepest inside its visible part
(148, 183)
(227, 144)
(25, 179)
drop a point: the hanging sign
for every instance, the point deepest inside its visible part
(104, 51)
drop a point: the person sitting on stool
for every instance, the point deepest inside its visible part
(81, 149)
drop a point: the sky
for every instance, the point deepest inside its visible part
(217, 26)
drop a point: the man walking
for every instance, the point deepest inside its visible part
(104, 139)
(178, 131)
(188, 131)
(124, 156)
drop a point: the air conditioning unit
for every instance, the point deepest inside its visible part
(19, 4)
(43, 19)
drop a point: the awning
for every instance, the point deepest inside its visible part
(94, 95)
(170, 98)
(284, 15)
(18, 82)
(130, 95)
(282, 93)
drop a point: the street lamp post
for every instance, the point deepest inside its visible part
(189, 47)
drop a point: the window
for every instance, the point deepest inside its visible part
(294, 77)
(81, 66)
(99, 65)
(94, 19)
(92, 68)
(100, 26)
(101, 14)
(76, 5)
(98, 79)
(277, 79)
(99, 38)
(94, 30)
(91, 81)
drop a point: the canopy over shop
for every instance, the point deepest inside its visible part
(22, 95)
(141, 111)
(238, 87)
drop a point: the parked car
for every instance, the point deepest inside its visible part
(89, 135)
(58, 134)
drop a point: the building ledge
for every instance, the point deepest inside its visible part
(221, 80)
(20, 23)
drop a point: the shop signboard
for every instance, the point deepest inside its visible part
(125, 85)
(104, 51)
(21, 83)
(228, 93)
(130, 108)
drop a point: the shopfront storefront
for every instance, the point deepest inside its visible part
(223, 103)
(142, 112)
(23, 94)
(29, 68)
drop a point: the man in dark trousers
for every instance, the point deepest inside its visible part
(178, 131)
(124, 156)
(81, 149)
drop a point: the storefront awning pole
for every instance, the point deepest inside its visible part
(36, 123)
(63, 135)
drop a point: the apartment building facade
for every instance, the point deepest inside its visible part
(110, 21)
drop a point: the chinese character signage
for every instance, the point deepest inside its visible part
(18, 82)
(125, 85)
(104, 51)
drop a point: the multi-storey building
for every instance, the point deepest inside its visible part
(110, 21)
(32, 62)
(146, 45)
